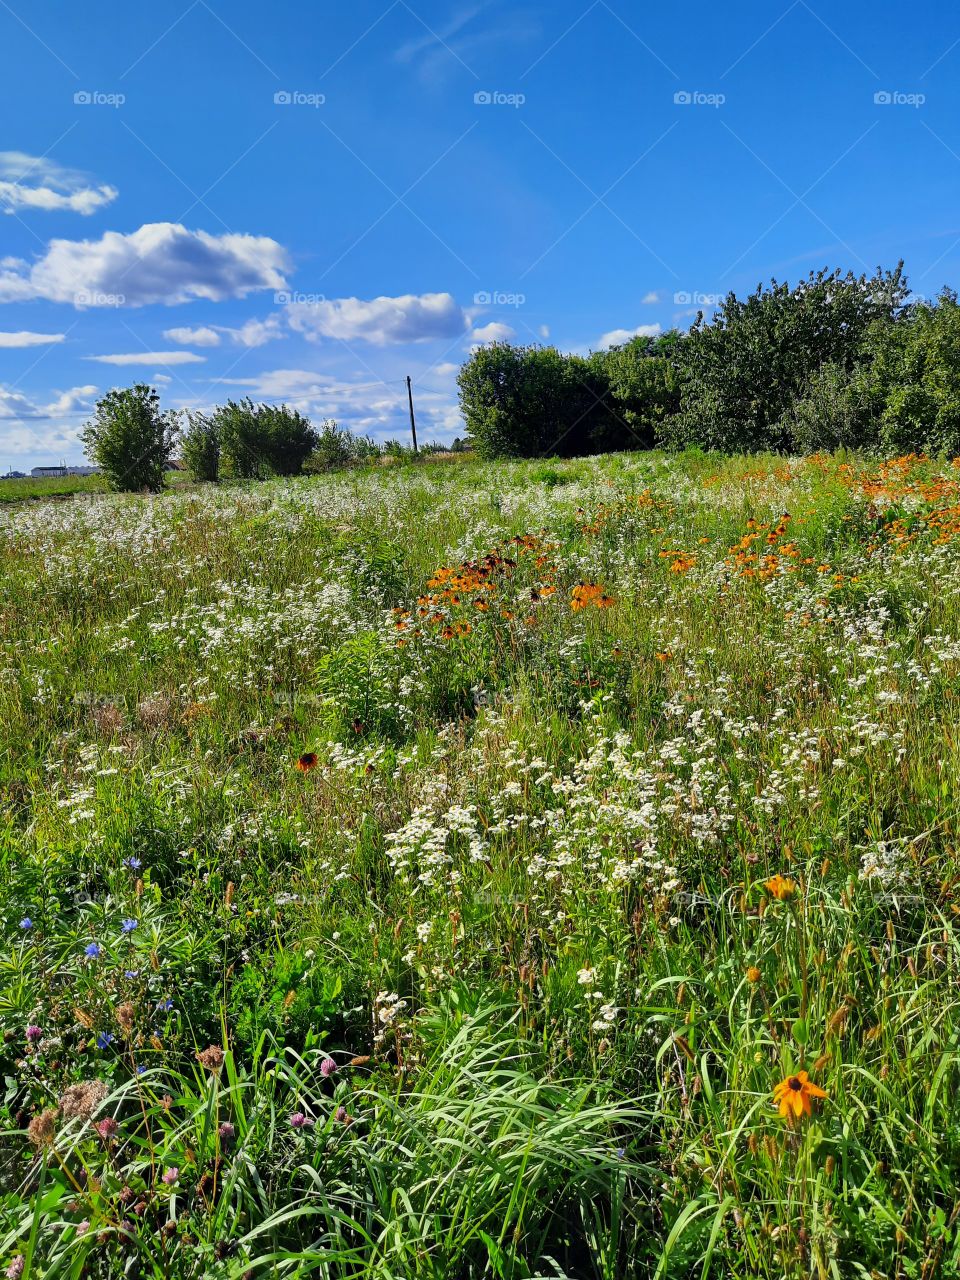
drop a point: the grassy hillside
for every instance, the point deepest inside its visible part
(509, 870)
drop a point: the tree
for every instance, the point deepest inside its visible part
(740, 373)
(260, 440)
(130, 439)
(643, 384)
(528, 402)
(200, 448)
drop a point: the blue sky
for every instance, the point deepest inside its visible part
(306, 202)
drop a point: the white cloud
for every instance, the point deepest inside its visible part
(33, 182)
(544, 331)
(15, 406)
(650, 298)
(493, 332)
(27, 339)
(161, 262)
(617, 337)
(203, 337)
(150, 357)
(161, 378)
(255, 333)
(408, 318)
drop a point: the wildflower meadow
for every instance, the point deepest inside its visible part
(464, 869)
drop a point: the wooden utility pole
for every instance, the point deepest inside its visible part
(413, 421)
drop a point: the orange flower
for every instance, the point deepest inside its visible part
(793, 1095)
(781, 887)
(754, 974)
(307, 761)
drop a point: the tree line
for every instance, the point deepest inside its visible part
(133, 441)
(837, 360)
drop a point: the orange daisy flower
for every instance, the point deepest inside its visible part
(793, 1095)
(307, 761)
(781, 887)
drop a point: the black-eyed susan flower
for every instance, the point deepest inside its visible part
(781, 887)
(793, 1095)
(307, 761)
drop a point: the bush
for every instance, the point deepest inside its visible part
(260, 440)
(740, 374)
(200, 448)
(130, 439)
(337, 447)
(528, 402)
(643, 385)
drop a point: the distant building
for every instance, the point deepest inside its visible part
(56, 473)
(14, 475)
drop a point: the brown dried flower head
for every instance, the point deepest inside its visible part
(211, 1058)
(80, 1101)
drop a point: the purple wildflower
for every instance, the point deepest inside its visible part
(26, 923)
(327, 1068)
(133, 863)
(107, 1128)
(104, 1039)
(128, 925)
(15, 1269)
(92, 950)
(226, 1131)
(299, 1121)
(34, 1033)
(171, 1175)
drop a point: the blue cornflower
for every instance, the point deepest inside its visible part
(133, 863)
(131, 973)
(165, 1005)
(92, 950)
(104, 1040)
(128, 925)
(26, 923)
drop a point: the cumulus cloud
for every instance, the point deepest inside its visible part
(381, 321)
(150, 357)
(161, 262)
(492, 332)
(651, 297)
(35, 182)
(26, 339)
(617, 337)
(255, 333)
(202, 337)
(15, 406)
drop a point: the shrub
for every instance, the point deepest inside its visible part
(917, 375)
(200, 448)
(130, 439)
(337, 447)
(528, 402)
(643, 385)
(740, 373)
(260, 440)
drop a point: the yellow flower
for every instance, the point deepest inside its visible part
(781, 887)
(753, 974)
(793, 1095)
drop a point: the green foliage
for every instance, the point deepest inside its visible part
(200, 448)
(643, 385)
(740, 374)
(531, 402)
(260, 440)
(288, 994)
(131, 439)
(336, 448)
